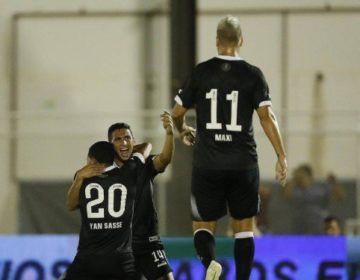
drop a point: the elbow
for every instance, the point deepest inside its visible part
(267, 121)
(264, 123)
(163, 163)
(147, 150)
(71, 206)
(265, 118)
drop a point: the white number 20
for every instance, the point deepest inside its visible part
(233, 97)
(100, 213)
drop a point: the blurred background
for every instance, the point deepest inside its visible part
(69, 69)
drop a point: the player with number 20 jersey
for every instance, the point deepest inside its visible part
(106, 205)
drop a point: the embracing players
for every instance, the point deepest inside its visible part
(147, 247)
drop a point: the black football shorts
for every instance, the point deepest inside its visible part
(215, 191)
(152, 262)
(101, 267)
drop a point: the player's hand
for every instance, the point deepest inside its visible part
(167, 123)
(281, 170)
(188, 136)
(90, 170)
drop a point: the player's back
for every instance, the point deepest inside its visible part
(106, 206)
(225, 94)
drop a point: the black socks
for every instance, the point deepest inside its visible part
(205, 246)
(244, 248)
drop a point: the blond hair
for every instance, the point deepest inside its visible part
(229, 31)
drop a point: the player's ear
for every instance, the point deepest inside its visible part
(217, 42)
(91, 160)
(241, 41)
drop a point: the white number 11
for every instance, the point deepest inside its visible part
(233, 97)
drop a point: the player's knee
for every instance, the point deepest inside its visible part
(207, 226)
(243, 225)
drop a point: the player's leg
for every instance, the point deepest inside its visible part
(244, 202)
(204, 243)
(208, 204)
(244, 246)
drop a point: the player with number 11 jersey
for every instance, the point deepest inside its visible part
(226, 91)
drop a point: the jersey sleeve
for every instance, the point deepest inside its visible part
(140, 157)
(150, 171)
(261, 95)
(146, 169)
(186, 95)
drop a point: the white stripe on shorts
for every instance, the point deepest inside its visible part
(194, 208)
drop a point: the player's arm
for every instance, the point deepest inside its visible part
(162, 160)
(143, 148)
(269, 124)
(187, 133)
(89, 170)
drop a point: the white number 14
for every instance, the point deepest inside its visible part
(233, 97)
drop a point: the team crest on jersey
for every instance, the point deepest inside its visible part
(226, 67)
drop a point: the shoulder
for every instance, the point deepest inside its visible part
(253, 69)
(138, 158)
(207, 63)
(141, 162)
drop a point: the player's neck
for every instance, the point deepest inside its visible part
(118, 162)
(228, 51)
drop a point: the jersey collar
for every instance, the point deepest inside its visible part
(228, 57)
(138, 155)
(111, 167)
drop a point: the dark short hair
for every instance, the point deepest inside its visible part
(306, 168)
(116, 126)
(331, 218)
(102, 152)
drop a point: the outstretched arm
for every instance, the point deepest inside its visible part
(162, 160)
(187, 133)
(271, 128)
(89, 170)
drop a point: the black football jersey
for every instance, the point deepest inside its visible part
(225, 91)
(145, 222)
(106, 205)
